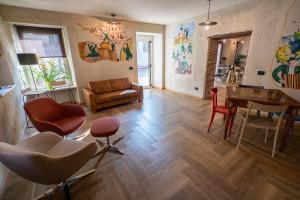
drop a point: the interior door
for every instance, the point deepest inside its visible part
(144, 60)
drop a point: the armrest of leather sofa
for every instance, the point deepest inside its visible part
(90, 99)
(140, 89)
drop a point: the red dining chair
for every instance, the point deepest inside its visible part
(47, 115)
(220, 109)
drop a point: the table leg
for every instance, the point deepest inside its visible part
(287, 126)
(227, 120)
(229, 105)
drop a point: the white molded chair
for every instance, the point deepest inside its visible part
(261, 122)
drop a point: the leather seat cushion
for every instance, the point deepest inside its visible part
(100, 87)
(105, 127)
(129, 93)
(115, 96)
(70, 124)
(107, 97)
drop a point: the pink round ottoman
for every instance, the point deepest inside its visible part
(106, 127)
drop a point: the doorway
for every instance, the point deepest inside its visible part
(227, 56)
(145, 60)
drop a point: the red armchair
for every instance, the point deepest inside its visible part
(220, 109)
(47, 115)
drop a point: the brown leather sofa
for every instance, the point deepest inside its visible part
(107, 93)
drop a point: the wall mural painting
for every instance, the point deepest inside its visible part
(104, 42)
(287, 70)
(182, 48)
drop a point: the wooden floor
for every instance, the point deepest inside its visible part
(169, 155)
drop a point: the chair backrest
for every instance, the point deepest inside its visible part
(43, 109)
(252, 86)
(267, 108)
(30, 165)
(214, 95)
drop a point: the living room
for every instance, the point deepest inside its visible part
(128, 92)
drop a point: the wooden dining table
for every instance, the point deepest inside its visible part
(239, 97)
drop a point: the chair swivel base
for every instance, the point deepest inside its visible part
(65, 186)
(111, 146)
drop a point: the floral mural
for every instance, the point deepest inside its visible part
(287, 70)
(182, 48)
(104, 42)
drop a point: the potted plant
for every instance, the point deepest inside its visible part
(48, 71)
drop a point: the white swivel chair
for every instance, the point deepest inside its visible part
(48, 159)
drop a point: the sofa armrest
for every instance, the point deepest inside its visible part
(90, 99)
(140, 89)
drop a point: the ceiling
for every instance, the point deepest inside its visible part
(152, 11)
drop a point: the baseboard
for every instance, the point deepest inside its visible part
(184, 93)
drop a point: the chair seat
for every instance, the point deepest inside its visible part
(224, 109)
(70, 124)
(105, 127)
(64, 147)
(260, 122)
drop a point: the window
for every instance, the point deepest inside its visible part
(48, 44)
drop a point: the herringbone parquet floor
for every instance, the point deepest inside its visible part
(169, 155)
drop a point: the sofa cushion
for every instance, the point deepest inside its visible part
(108, 97)
(100, 87)
(120, 84)
(115, 96)
(129, 93)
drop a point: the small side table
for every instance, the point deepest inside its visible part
(106, 127)
(62, 85)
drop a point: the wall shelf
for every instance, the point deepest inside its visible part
(6, 89)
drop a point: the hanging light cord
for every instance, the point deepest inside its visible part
(208, 10)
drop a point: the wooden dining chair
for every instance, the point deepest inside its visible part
(220, 109)
(262, 122)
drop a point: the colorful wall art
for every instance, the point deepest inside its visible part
(182, 48)
(104, 42)
(287, 70)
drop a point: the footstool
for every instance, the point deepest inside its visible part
(106, 127)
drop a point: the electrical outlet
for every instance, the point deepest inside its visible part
(261, 72)
(196, 88)
(130, 68)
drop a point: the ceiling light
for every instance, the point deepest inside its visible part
(208, 23)
(114, 22)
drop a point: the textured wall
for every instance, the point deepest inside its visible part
(12, 122)
(264, 17)
(84, 72)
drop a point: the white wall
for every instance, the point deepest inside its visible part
(158, 55)
(264, 17)
(84, 72)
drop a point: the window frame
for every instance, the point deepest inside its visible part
(65, 44)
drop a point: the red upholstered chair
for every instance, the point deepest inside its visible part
(47, 115)
(220, 109)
